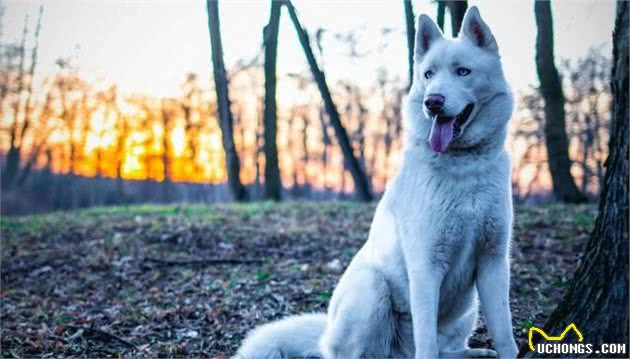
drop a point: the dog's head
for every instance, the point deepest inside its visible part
(455, 81)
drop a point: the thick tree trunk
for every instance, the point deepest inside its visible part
(457, 9)
(273, 184)
(411, 35)
(441, 12)
(597, 302)
(361, 183)
(564, 187)
(223, 103)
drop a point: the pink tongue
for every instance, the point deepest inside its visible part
(441, 135)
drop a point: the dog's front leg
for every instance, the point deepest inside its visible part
(424, 294)
(493, 284)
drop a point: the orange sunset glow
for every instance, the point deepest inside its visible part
(100, 106)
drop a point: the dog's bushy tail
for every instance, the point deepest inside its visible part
(294, 336)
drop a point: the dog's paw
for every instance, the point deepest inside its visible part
(480, 353)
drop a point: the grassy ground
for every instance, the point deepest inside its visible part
(127, 281)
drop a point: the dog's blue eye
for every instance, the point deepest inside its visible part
(462, 71)
(428, 74)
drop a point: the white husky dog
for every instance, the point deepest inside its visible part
(441, 232)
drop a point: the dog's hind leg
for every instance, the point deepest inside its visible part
(360, 322)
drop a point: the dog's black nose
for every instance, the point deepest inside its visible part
(434, 103)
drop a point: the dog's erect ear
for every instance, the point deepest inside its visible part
(426, 35)
(475, 29)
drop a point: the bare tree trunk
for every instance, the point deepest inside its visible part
(305, 154)
(457, 9)
(166, 163)
(327, 142)
(564, 187)
(14, 154)
(597, 302)
(411, 35)
(293, 149)
(189, 129)
(26, 169)
(360, 129)
(120, 154)
(598, 149)
(239, 192)
(273, 184)
(361, 183)
(441, 11)
(259, 136)
(77, 147)
(587, 143)
(31, 75)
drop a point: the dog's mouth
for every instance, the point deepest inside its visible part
(445, 128)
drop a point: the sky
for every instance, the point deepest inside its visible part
(149, 46)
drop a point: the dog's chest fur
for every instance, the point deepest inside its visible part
(449, 218)
(450, 213)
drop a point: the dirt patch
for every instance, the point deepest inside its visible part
(136, 281)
